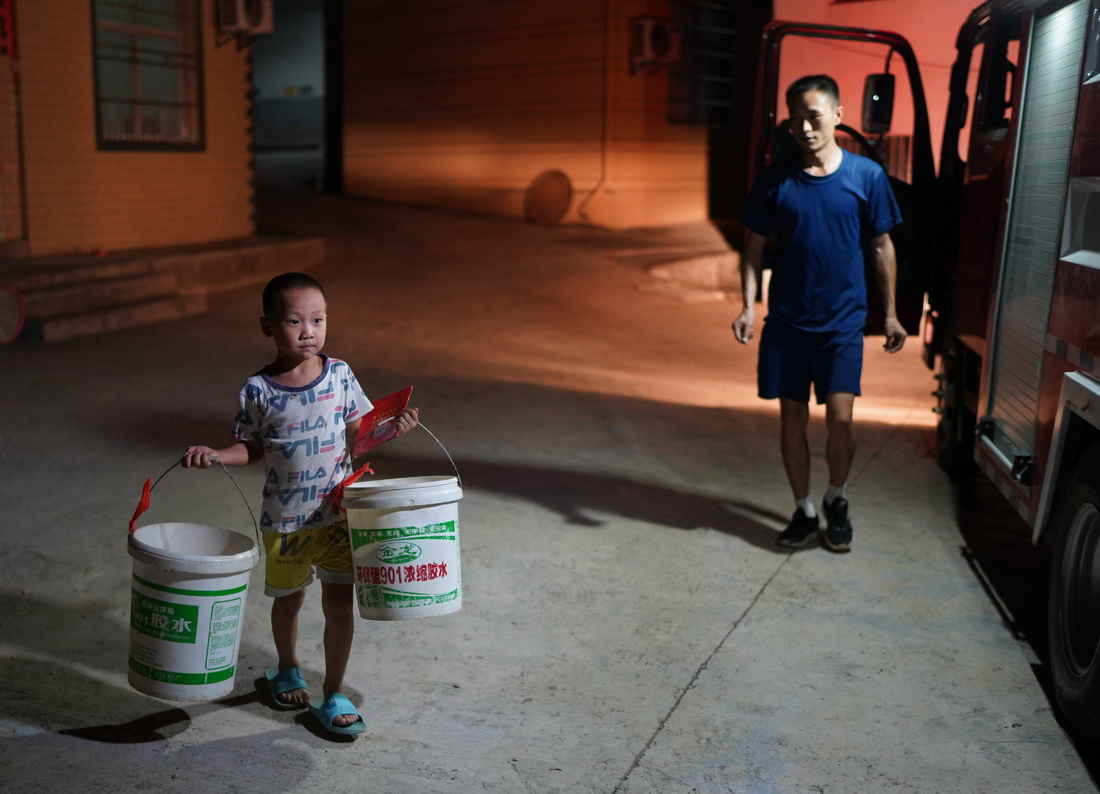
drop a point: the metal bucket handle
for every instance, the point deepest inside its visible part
(445, 452)
(338, 492)
(146, 492)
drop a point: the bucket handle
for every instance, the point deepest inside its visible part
(445, 452)
(146, 492)
(338, 492)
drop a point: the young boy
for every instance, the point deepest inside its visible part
(301, 414)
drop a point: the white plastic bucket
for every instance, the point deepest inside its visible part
(404, 546)
(190, 583)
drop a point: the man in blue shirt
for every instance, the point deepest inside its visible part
(819, 207)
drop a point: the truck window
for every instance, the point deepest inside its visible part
(995, 53)
(849, 64)
(1092, 48)
(1081, 232)
(971, 93)
(998, 83)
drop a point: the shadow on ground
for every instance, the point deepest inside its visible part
(579, 498)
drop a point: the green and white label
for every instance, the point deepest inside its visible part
(164, 620)
(225, 616)
(390, 537)
(406, 567)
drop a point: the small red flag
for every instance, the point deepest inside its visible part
(338, 491)
(143, 503)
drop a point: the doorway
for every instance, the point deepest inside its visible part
(296, 109)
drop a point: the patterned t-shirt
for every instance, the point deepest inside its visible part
(302, 431)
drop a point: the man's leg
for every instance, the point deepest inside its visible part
(793, 419)
(839, 451)
(840, 445)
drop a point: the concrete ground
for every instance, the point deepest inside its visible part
(628, 624)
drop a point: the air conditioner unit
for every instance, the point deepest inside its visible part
(246, 17)
(653, 42)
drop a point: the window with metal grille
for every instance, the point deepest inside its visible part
(703, 83)
(148, 74)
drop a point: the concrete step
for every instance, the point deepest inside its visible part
(81, 295)
(70, 326)
(710, 270)
(31, 275)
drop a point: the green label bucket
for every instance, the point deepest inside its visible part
(187, 609)
(404, 541)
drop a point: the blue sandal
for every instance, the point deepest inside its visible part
(280, 682)
(335, 706)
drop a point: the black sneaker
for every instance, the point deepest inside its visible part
(838, 531)
(798, 531)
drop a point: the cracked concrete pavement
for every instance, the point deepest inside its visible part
(628, 624)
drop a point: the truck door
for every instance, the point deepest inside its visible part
(1048, 103)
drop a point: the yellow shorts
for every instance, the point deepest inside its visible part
(291, 557)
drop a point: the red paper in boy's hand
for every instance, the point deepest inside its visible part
(379, 426)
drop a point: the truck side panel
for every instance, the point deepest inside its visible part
(1019, 330)
(1074, 318)
(1073, 338)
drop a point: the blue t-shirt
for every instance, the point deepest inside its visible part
(819, 224)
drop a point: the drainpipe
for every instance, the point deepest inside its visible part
(605, 116)
(17, 102)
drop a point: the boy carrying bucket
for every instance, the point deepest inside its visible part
(301, 415)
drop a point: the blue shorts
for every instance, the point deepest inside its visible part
(791, 359)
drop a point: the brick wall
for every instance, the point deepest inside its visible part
(80, 198)
(464, 104)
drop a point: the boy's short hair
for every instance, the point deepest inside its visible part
(815, 82)
(282, 284)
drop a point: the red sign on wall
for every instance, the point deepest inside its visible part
(7, 28)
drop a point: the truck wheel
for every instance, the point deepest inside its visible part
(955, 430)
(1074, 605)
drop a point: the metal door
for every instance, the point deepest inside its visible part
(1043, 151)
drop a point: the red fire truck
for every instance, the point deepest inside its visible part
(1011, 227)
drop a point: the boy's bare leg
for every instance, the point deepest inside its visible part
(337, 601)
(284, 630)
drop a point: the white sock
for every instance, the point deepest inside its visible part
(807, 506)
(832, 492)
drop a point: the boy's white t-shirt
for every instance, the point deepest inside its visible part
(302, 431)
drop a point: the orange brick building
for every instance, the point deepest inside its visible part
(126, 123)
(470, 105)
(123, 125)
